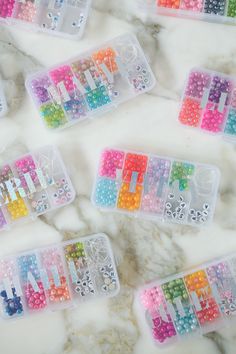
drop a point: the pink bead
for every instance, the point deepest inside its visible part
(6, 8)
(25, 165)
(63, 74)
(35, 300)
(151, 203)
(26, 11)
(111, 161)
(7, 268)
(192, 5)
(213, 119)
(52, 257)
(151, 299)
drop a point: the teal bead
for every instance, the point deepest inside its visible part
(106, 193)
(187, 323)
(230, 127)
(97, 98)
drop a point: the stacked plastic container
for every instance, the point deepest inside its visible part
(57, 276)
(91, 84)
(155, 187)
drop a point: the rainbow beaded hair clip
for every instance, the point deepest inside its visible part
(209, 103)
(65, 18)
(221, 11)
(57, 276)
(159, 188)
(32, 185)
(91, 84)
(190, 303)
(3, 102)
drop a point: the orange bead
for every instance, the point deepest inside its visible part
(106, 56)
(190, 113)
(174, 4)
(198, 282)
(60, 293)
(128, 200)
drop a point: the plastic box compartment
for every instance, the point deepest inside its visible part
(65, 18)
(57, 276)
(91, 84)
(221, 11)
(32, 185)
(159, 188)
(190, 303)
(3, 102)
(209, 103)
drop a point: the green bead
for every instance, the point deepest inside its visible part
(231, 8)
(53, 115)
(181, 172)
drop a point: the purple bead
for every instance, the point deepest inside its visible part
(39, 87)
(219, 85)
(75, 107)
(197, 82)
(158, 168)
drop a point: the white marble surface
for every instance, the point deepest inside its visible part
(146, 250)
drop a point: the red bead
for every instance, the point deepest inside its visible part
(135, 163)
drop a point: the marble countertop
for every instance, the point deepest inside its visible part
(146, 250)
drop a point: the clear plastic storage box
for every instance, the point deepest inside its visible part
(66, 18)
(209, 103)
(3, 102)
(33, 184)
(156, 187)
(57, 276)
(190, 303)
(91, 84)
(221, 11)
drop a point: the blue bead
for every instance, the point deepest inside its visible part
(106, 192)
(27, 264)
(75, 108)
(12, 306)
